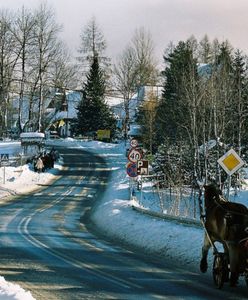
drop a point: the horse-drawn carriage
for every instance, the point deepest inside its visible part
(227, 223)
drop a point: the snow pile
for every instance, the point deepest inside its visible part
(23, 179)
(9, 291)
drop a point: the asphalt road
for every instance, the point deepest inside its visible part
(46, 247)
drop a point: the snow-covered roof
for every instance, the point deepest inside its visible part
(112, 101)
(32, 135)
(135, 130)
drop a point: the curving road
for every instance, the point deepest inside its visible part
(46, 248)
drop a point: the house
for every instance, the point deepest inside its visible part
(60, 119)
(58, 110)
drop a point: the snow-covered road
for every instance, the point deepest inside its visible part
(180, 243)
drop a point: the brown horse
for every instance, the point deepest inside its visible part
(227, 223)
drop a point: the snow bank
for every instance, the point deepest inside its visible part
(10, 291)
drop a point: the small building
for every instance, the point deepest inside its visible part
(32, 142)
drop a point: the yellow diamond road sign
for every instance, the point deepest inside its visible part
(231, 162)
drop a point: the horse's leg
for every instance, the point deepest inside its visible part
(234, 263)
(205, 248)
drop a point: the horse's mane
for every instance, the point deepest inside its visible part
(234, 207)
(214, 194)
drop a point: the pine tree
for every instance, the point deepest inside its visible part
(178, 111)
(223, 94)
(240, 100)
(180, 74)
(93, 112)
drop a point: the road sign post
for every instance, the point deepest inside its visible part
(132, 169)
(4, 162)
(142, 167)
(4, 159)
(230, 162)
(4, 175)
(134, 155)
(133, 143)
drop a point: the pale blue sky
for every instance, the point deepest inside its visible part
(167, 20)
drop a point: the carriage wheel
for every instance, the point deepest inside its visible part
(220, 270)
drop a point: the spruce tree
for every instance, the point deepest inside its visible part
(173, 115)
(93, 112)
(240, 100)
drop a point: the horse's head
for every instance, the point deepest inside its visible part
(211, 193)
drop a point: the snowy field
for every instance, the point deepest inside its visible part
(115, 214)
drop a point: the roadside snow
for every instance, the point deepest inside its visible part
(116, 217)
(9, 291)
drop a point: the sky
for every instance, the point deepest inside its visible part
(114, 213)
(166, 20)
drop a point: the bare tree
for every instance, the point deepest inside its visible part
(93, 43)
(47, 48)
(23, 35)
(125, 81)
(33, 61)
(63, 71)
(146, 66)
(193, 44)
(204, 50)
(8, 60)
(63, 75)
(136, 67)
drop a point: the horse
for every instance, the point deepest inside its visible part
(225, 222)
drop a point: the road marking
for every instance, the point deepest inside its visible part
(23, 231)
(56, 201)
